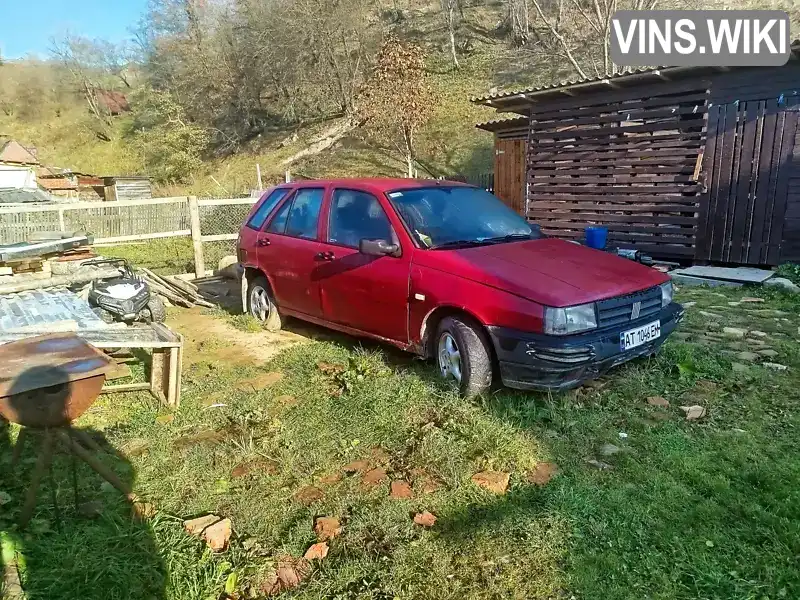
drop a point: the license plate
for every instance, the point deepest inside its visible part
(641, 335)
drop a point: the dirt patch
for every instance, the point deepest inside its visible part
(210, 337)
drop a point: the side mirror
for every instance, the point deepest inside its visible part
(378, 248)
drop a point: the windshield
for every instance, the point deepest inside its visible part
(452, 216)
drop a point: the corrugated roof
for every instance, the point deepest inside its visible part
(592, 82)
(562, 84)
(503, 123)
(22, 196)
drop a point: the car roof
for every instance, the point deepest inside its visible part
(378, 184)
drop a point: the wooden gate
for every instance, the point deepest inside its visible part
(509, 173)
(746, 167)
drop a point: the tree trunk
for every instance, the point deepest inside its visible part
(453, 48)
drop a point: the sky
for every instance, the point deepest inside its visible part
(26, 26)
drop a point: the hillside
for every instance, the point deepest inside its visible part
(448, 143)
(210, 99)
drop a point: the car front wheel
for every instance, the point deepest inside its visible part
(463, 354)
(261, 306)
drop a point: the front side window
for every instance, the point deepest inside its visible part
(357, 216)
(449, 217)
(278, 223)
(304, 215)
(262, 212)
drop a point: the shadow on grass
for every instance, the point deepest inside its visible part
(82, 539)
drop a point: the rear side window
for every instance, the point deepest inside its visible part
(278, 223)
(304, 215)
(262, 212)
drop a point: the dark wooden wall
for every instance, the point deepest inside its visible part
(748, 166)
(627, 159)
(790, 248)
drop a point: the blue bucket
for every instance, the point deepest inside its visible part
(596, 237)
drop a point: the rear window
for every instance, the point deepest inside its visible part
(262, 212)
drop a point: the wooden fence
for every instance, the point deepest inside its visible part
(205, 220)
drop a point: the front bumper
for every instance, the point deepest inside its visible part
(534, 361)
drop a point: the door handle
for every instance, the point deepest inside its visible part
(263, 242)
(325, 255)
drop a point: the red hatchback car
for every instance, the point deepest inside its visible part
(449, 272)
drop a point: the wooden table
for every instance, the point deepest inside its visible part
(165, 345)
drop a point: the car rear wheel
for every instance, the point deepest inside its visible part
(463, 354)
(261, 306)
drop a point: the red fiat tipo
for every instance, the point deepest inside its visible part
(449, 272)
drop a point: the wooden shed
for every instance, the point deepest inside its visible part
(699, 164)
(127, 188)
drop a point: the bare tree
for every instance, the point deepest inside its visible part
(452, 13)
(519, 20)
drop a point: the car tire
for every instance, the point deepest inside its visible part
(462, 352)
(261, 305)
(155, 306)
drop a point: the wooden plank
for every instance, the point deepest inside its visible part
(16, 208)
(630, 156)
(611, 179)
(197, 242)
(674, 139)
(646, 208)
(542, 195)
(566, 120)
(781, 192)
(614, 189)
(749, 130)
(219, 237)
(603, 132)
(140, 237)
(538, 215)
(751, 254)
(620, 106)
(622, 227)
(225, 201)
(611, 169)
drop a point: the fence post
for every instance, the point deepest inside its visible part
(61, 226)
(194, 220)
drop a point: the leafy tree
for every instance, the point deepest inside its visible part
(171, 146)
(398, 100)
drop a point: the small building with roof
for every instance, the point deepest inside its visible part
(691, 163)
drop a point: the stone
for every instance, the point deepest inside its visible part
(757, 333)
(751, 299)
(682, 335)
(694, 412)
(734, 332)
(768, 352)
(494, 481)
(658, 401)
(425, 519)
(783, 283)
(400, 489)
(607, 450)
(689, 304)
(710, 315)
(747, 356)
(775, 366)
(739, 367)
(734, 303)
(229, 267)
(317, 551)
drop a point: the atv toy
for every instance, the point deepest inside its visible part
(125, 298)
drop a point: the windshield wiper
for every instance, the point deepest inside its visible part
(508, 238)
(459, 243)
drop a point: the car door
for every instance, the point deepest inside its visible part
(288, 251)
(252, 230)
(368, 293)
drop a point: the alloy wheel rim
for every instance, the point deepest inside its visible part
(259, 303)
(449, 357)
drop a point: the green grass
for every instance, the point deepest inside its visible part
(703, 509)
(167, 256)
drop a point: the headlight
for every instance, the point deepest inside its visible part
(561, 321)
(666, 293)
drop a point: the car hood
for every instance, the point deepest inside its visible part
(548, 271)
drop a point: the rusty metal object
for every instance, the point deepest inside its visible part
(50, 380)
